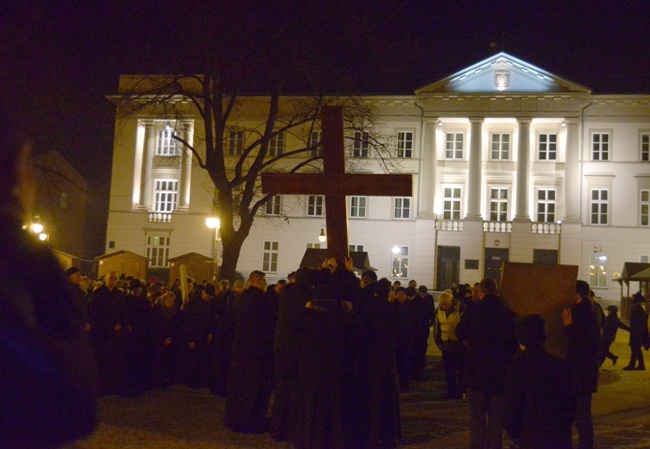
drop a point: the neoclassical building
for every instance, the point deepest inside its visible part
(509, 163)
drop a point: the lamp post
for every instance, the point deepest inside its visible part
(213, 222)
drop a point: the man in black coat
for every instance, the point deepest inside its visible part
(487, 330)
(583, 356)
(250, 379)
(198, 333)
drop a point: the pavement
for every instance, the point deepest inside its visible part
(181, 418)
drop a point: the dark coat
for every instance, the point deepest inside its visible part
(638, 325)
(583, 348)
(225, 308)
(540, 404)
(612, 324)
(487, 330)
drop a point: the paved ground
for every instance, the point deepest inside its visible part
(180, 418)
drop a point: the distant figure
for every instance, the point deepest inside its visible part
(612, 324)
(48, 379)
(448, 316)
(540, 404)
(638, 332)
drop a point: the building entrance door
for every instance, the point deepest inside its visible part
(448, 269)
(494, 257)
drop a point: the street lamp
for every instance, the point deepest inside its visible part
(322, 237)
(213, 222)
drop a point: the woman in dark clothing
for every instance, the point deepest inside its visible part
(638, 332)
(166, 332)
(612, 324)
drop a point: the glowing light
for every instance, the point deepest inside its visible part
(42, 236)
(213, 222)
(37, 228)
(322, 237)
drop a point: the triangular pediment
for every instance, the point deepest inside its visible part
(503, 73)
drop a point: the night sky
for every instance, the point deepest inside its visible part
(59, 59)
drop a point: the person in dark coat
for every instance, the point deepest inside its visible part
(166, 334)
(423, 314)
(250, 378)
(286, 351)
(110, 334)
(48, 379)
(408, 322)
(139, 351)
(80, 297)
(540, 405)
(638, 332)
(487, 330)
(196, 345)
(612, 324)
(583, 356)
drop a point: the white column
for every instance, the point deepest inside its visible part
(523, 167)
(146, 179)
(428, 169)
(185, 170)
(572, 172)
(474, 175)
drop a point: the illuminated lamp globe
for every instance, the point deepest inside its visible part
(212, 222)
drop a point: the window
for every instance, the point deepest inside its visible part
(270, 257)
(236, 143)
(451, 203)
(499, 204)
(644, 258)
(158, 251)
(500, 147)
(599, 206)
(355, 248)
(405, 144)
(315, 143)
(273, 206)
(547, 147)
(546, 205)
(402, 209)
(358, 206)
(313, 245)
(645, 146)
(64, 200)
(315, 205)
(165, 195)
(598, 268)
(166, 143)
(276, 144)
(645, 207)
(454, 146)
(361, 145)
(600, 146)
(400, 261)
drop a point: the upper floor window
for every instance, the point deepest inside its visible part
(315, 205)
(499, 204)
(355, 248)
(273, 206)
(500, 145)
(165, 195)
(315, 143)
(157, 250)
(547, 147)
(358, 206)
(600, 146)
(451, 203)
(402, 208)
(546, 205)
(645, 146)
(235, 143)
(166, 143)
(645, 208)
(270, 257)
(599, 205)
(276, 144)
(454, 146)
(405, 144)
(361, 145)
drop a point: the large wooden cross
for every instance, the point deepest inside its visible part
(335, 184)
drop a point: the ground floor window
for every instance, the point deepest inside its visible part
(598, 270)
(400, 261)
(270, 257)
(158, 250)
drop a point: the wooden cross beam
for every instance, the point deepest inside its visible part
(335, 184)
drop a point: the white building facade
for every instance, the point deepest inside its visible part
(509, 163)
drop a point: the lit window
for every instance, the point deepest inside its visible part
(400, 261)
(358, 206)
(276, 144)
(500, 147)
(315, 143)
(645, 147)
(165, 195)
(645, 207)
(599, 206)
(598, 268)
(315, 205)
(166, 143)
(498, 204)
(547, 147)
(546, 205)
(600, 146)
(402, 208)
(158, 250)
(235, 143)
(454, 146)
(273, 206)
(405, 144)
(451, 203)
(270, 257)
(361, 145)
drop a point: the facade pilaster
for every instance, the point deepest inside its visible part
(572, 172)
(428, 169)
(146, 178)
(523, 167)
(185, 170)
(474, 175)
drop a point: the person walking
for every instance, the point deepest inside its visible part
(638, 333)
